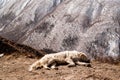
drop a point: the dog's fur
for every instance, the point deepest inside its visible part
(70, 57)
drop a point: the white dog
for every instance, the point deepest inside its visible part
(70, 57)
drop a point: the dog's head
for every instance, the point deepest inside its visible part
(84, 58)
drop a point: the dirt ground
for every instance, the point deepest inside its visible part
(12, 68)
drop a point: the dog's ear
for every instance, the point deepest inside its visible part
(81, 54)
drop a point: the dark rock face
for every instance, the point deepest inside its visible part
(91, 26)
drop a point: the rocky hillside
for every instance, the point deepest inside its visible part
(90, 26)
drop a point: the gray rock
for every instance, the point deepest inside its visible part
(91, 26)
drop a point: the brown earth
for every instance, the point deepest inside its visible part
(16, 68)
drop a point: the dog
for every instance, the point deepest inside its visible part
(72, 58)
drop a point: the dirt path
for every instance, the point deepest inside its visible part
(17, 69)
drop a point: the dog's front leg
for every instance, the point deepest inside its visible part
(70, 62)
(83, 64)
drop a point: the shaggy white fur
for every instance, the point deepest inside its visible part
(70, 57)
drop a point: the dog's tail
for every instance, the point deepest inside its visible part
(35, 65)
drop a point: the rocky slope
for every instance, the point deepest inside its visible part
(90, 26)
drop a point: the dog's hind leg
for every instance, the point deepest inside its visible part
(53, 66)
(49, 63)
(46, 66)
(35, 65)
